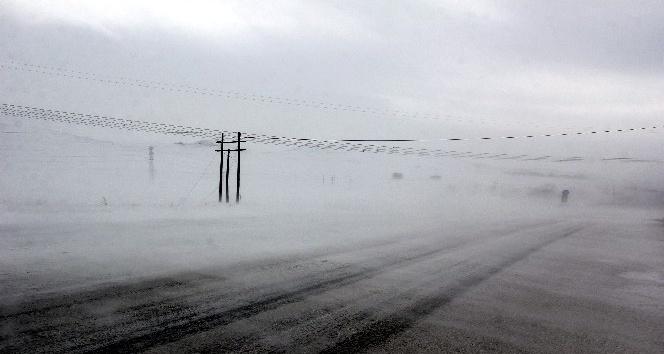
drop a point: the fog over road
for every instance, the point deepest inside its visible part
(537, 285)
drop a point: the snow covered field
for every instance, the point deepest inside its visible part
(104, 252)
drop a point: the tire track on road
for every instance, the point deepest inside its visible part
(188, 327)
(195, 324)
(381, 330)
(240, 341)
(50, 302)
(57, 335)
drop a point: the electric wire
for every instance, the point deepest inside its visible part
(251, 97)
(198, 180)
(334, 145)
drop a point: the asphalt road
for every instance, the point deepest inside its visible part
(586, 286)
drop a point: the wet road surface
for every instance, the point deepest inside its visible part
(468, 292)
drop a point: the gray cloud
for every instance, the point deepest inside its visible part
(588, 63)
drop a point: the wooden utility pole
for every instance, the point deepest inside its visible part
(228, 164)
(221, 166)
(239, 150)
(151, 166)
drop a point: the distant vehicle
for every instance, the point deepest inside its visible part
(397, 175)
(564, 196)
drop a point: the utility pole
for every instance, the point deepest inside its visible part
(151, 166)
(221, 166)
(228, 164)
(239, 150)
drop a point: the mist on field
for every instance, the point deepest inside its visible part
(79, 207)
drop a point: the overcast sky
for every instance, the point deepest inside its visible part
(595, 63)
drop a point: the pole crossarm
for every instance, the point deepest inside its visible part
(231, 142)
(231, 150)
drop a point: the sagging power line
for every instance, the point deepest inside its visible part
(333, 145)
(512, 137)
(253, 97)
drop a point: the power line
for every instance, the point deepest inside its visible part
(196, 90)
(198, 180)
(333, 145)
(509, 137)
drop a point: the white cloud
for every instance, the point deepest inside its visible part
(219, 19)
(482, 58)
(485, 10)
